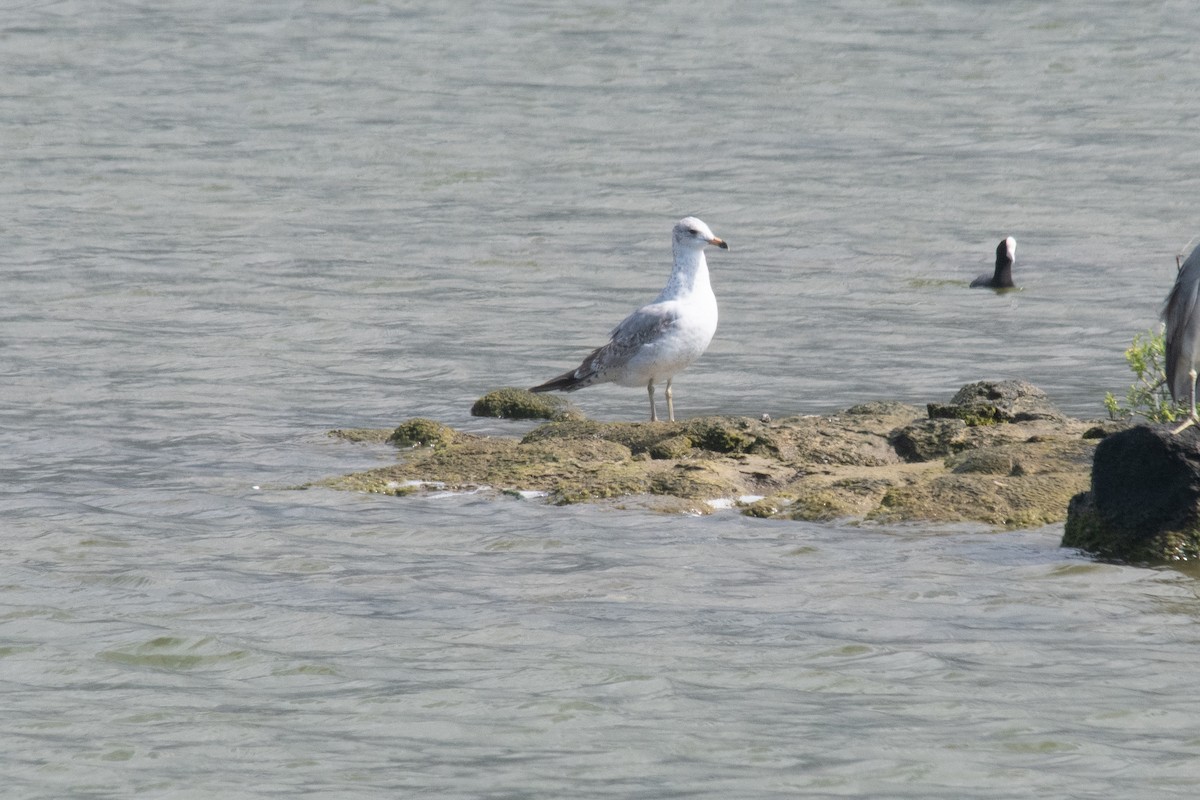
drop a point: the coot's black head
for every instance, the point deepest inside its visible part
(1006, 252)
(1006, 256)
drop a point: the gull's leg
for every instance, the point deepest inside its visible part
(650, 391)
(671, 401)
(1192, 417)
(1191, 374)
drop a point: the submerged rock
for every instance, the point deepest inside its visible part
(877, 461)
(1144, 500)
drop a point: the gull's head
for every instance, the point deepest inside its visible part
(691, 232)
(1007, 250)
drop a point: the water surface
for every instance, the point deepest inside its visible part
(229, 228)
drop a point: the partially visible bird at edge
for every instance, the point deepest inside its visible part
(1181, 317)
(661, 339)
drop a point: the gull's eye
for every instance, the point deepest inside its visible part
(693, 232)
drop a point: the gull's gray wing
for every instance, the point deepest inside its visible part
(642, 326)
(1182, 326)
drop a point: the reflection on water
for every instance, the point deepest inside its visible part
(231, 228)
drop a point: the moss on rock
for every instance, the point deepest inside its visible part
(639, 437)
(361, 435)
(765, 508)
(839, 496)
(822, 505)
(1087, 530)
(421, 432)
(928, 439)
(694, 481)
(878, 461)
(726, 435)
(972, 415)
(671, 447)
(513, 403)
(1009, 502)
(994, 402)
(664, 440)
(984, 461)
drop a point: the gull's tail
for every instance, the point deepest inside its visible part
(586, 374)
(567, 382)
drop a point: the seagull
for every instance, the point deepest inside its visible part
(662, 338)
(1181, 314)
(1006, 254)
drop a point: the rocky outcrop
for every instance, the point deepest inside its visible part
(1014, 463)
(1144, 500)
(992, 402)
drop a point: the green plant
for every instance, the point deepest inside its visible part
(1148, 396)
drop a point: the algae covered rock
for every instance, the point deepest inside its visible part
(665, 440)
(876, 461)
(841, 497)
(1011, 501)
(568, 472)
(361, 435)
(857, 437)
(993, 402)
(694, 480)
(764, 508)
(883, 408)
(1144, 501)
(730, 435)
(512, 403)
(928, 439)
(982, 414)
(639, 437)
(421, 432)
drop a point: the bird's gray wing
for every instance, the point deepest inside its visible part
(1180, 315)
(644, 325)
(639, 328)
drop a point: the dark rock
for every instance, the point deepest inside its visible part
(993, 402)
(1144, 503)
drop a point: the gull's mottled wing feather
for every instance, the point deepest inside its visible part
(644, 325)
